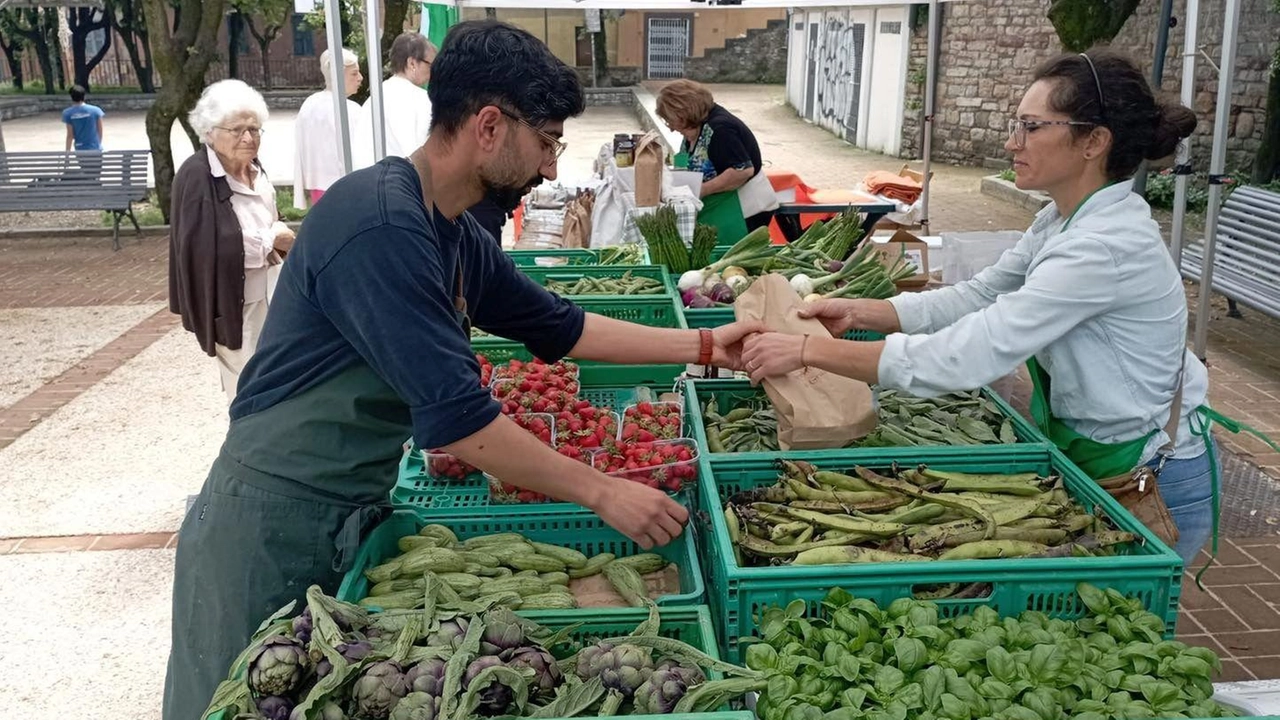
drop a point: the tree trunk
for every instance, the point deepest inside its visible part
(83, 24)
(133, 31)
(264, 40)
(183, 57)
(601, 51)
(1266, 165)
(55, 46)
(392, 23)
(235, 26)
(13, 55)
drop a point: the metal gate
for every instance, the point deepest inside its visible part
(668, 47)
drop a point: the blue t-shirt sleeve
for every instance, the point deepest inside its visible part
(404, 326)
(98, 112)
(513, 306)
(66, 116)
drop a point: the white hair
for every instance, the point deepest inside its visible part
(222, 100)
(326, 65)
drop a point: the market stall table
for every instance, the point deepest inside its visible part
(788, 215)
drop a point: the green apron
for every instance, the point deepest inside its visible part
(1097, 460)
(723, 211)
(257, 537)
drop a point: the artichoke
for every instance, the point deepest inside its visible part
(495, 699)
(664, 688)
(329, 711)
(450, 633)
(416, 706)
(353, 652)
(691, 675)
(378, 690)
(620, 667)
(302, 627)
(278, 666)
(502, 632)
(426, 677)
(274, 707)
(546, 673)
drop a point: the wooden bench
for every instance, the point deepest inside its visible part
(110, 181)
(1246, 261)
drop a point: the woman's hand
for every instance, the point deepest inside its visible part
(726, 351)
(284, 238)
(644, 514)
(772, 354)
(840, 316)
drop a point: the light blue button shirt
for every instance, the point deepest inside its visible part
(1099, 304)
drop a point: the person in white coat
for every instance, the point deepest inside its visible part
(317, 160)
(1089, 298)
(406, 106)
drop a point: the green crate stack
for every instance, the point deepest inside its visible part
(727, 392)
(585, 533)
(1148, 570)
(572, 273)
(415, 489)
(581, 256)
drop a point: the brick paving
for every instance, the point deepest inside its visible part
(78, 272)
(1237, 615)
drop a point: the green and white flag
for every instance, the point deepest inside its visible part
(437, 18)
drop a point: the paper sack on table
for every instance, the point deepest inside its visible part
(816, 409)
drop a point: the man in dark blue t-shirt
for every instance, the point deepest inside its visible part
(368, 341)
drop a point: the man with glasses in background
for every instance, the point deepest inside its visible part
(406, 117)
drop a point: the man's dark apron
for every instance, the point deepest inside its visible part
(258, 537)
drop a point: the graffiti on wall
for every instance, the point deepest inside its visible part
(839, 78)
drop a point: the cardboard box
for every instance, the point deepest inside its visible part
(916, 252)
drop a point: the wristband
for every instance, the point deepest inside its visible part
(804, 343)
(706, 344)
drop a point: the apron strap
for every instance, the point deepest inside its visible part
(352, 532)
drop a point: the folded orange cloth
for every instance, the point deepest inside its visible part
(893, 186)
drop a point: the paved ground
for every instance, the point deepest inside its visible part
(122, 413)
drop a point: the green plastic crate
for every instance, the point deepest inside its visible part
(415, 489)
(697, 392)
(585, 533)
(1150, 571)
(583, 256)
(571, 273)
(652, 310)
(715, 317)
(592, 373)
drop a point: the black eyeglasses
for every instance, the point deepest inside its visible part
(554, 144)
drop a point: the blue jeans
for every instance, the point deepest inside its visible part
(1187, 488)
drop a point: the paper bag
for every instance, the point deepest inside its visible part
(650, 157)
(573, 230)
(816, 409)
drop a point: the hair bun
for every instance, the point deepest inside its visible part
(1173, 123)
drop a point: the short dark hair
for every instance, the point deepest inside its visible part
(408, 46)
(487, 62)
(1119, 99)
(77, 93)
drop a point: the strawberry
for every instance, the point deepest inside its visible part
(652, 421)
(445, 467)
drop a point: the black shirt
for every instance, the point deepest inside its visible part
(371, 280)
(732, 144)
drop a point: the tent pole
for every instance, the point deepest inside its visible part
(1183, 162)
(931, 73)
(333, 28)
(1217, 163)
(373, 49)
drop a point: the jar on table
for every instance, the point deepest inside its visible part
(624, 150)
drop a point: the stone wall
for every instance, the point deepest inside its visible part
(21, 106)
(990, 49)
(760, 56)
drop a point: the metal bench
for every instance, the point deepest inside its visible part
(1246, 262)
(110, 181)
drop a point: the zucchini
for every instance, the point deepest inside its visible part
(628, 583)
(399, 585)
(644, 563)
(534, 561)
(437, 560)
(446, 536)
(491, 540)
(525, 586)
(409, 543)
(463, 583)
(549, 601)
(594, 565)
(570, 557)
(556, 578)
(404, 600)
(384, 572)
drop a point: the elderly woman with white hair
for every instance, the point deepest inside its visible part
(318, 158)
(225, 235)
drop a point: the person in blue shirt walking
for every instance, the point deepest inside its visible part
(84, 132)
(84, 123)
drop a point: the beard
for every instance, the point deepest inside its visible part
(504, 184)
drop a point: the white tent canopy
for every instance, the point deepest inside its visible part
(373, 30)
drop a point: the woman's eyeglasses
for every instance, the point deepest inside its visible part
(254, 132)
(1018, 128)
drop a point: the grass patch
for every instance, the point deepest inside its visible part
(149, 215)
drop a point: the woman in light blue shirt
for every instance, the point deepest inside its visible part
(1089, 298)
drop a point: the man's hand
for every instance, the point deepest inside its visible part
(772, 354)
(644, 514)
(727, 349)
(839, 316)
